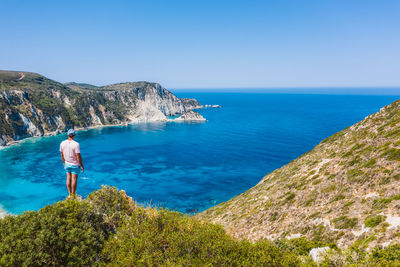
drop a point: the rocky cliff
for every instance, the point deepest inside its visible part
(33, 105)
(346, 190)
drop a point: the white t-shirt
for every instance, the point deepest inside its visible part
(70, 148)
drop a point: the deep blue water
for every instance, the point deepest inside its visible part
(185, 166)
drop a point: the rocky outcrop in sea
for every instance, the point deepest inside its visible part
(36, 106)
(190, 116)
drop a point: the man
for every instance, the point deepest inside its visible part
(72, 160)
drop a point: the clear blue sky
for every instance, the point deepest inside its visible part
(205, 43)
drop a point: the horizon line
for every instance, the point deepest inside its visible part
(370, 91)
(287, 87)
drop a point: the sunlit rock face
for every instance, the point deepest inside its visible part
(192, 103)
(190, 116)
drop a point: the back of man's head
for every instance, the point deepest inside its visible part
(71, 133)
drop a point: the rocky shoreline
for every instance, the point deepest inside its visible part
(194, 117)
(37, 106)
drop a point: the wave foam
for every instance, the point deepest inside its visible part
(3, 213)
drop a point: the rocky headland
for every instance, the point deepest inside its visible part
(33, 105)
(190, 116)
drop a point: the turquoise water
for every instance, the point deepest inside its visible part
(184, 166)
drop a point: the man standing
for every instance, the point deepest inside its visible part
(72, 160)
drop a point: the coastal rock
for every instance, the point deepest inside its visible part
(317, 254)
(3, 213)
(190, 116)
(191, 104)
(38, 106)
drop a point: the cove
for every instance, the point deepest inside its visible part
(186, 167)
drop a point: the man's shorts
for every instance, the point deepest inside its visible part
(69, 168)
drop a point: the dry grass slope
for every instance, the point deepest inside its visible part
(346, 190)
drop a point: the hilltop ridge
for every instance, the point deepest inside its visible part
(347, 189)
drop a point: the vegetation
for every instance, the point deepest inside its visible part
(392, 154)
(325, 195)
(160, 237)
(344, 222)
(356, 256)
(109, 229)
(373, 220)
(67, 232)
(330, 191)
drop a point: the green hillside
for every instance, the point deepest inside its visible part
(83, 86)
(18, 79)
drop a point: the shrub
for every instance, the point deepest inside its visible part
(392, 154)
(274, 216)
(290, 196)
(69, 232)
(338, 197)
(389, 256)
(109, 229)
(317, 181)
(370, 163)
(355, 175)
(348, 204)
(113, 204)
(329, 188)
(344, 222)
(373, 220)
(161, 237)
(357, 146)
(300, 246)
(309, 201)
(381, 203)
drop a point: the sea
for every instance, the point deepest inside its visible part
(185, 166)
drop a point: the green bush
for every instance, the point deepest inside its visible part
(160, 237)
(389, 256)
(338, 197)
(301, 246)
(355, 175)
(392, 154)
(113, 204)
(373, 220)
(370, 163)
(290, 196)
(381, 203)
(344, 222)
(109, 229)
(67, 232)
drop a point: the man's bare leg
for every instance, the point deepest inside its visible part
(74, 183)
(69, 183)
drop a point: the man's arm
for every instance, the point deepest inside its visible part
(79, 157)
(62, 157)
